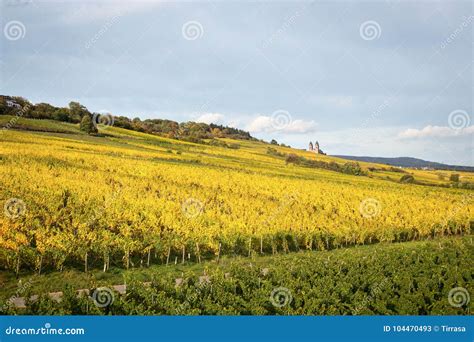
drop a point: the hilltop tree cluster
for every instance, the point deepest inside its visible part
(79, 114)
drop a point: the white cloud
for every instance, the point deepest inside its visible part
(210, 118)
(435, 132)
(267, 124)
(300, 126)
(259, 124)
(235, 123)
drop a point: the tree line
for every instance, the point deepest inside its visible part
(77, 113)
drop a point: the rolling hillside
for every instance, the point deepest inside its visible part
(409, 162)
(123, 200)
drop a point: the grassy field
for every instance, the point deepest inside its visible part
(20, 123)
(91, 209)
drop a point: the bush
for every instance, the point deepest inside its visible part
(192, 139)
(219, 143)
(292, 158)
(87, 125)
(397, 169)
(463, 185)
(454, 177)
(352, 169)
(274, 152)
(407, 179)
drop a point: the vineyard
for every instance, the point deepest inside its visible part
(415, 278)
(134, 199)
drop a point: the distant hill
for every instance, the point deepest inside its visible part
(409, 162)
(190, 131)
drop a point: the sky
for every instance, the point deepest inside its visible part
(378, 78)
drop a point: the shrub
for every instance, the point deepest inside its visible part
(352, 169)
(87, 125)
(274, 152)
(454, 177)
(397, 169)
(215, 142)
(292, 158)
(407, 179)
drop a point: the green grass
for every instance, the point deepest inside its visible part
(38, 125)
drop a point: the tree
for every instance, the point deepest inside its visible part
(62, 114)
(274, 142)
(42, 111)
(87, 125)
(14, 105)
(454, 177)
(77, 111)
